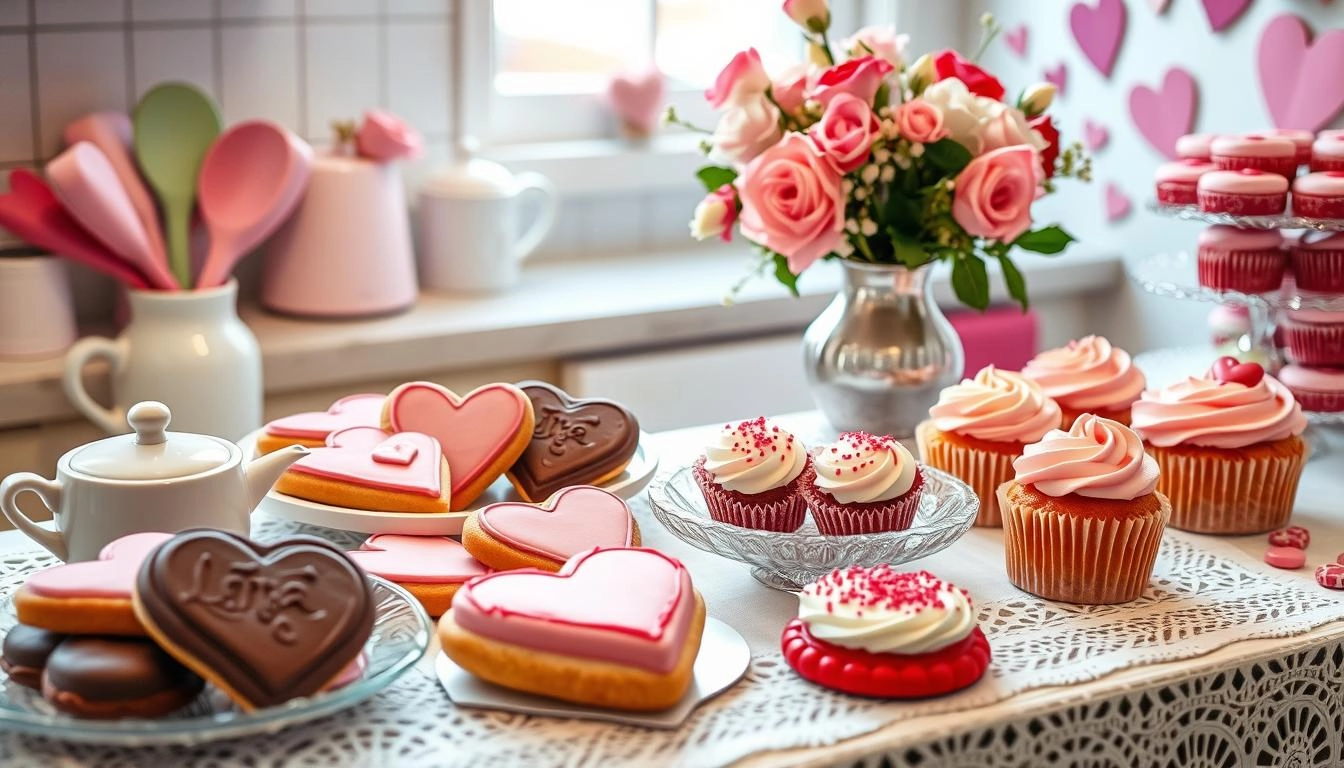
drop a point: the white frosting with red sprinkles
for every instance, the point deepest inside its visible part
(754, 456)
(881, 610)
(862, 468)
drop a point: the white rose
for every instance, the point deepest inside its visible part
(880, 41)
(1007, 127)
(708, 219)
(963, 111)
(745, 131)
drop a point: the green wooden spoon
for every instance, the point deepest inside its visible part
(175, 123)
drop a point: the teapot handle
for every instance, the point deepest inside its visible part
(549, 200)
(110, 420)
(49, 491)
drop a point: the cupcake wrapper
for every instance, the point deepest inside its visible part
(1319, 400)
(1215, 494)
(834, 519)
(1314, 344)
(1087, 560)
(1176, 193)
(1246, 205)
(982, 470)
(1284, 166)
(1249, 271)
(785, 514)
(1318, 270)
(1326, 164)
(1318, 207)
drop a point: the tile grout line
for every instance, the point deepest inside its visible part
(384, 53)
(217, 55)
(33, 101)
(301, 30)
(128, 42)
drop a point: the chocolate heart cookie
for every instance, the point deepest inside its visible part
(575, 442)
(265, 623)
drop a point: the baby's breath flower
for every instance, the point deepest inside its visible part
(869, 173)
(844, 249)
(916, 150)
(881, 155)
(846, 187)
(902, 162)
(851, 226)
(860, 193)
(868, 227)
(888, 173)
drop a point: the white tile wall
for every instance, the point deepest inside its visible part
(259, 74)
(418, 85)
(347, 8)
(13, 13)
(342, 71)
(183, 55)
(16, 118)
(172, 10)
(78, 73)
(79, 11)
(257, 9)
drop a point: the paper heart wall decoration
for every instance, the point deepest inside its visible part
(1164, 115)
(1016, 40)
(1159, 6)
(637, 100)
(1118, 205)
(1300, 79)
(1099, 31)
(1221, 13)
(1058, 75)
(1095, 135)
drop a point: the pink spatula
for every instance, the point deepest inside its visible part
(251, 179)
(31, 211)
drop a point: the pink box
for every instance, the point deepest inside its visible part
(1004, 336)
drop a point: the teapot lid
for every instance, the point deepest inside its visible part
(151, 453)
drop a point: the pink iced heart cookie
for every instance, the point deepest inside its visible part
(481, 433)
(92, 597)
(431, 568)
(510, 535)
(311, 428)
(367, 468)
(1230, 370)
(615, 628)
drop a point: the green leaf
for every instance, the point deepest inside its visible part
(1017, 285)
(970, 281)
(784, 276)
(715, 176)
(909, 251)
(1047, 240)
(902, 212)
(947, 156)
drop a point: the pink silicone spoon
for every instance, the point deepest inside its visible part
(85, 182)
(31, 211)
(251, 178)
(111, 132)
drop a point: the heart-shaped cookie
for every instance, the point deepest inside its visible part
(585, 441)
(510, 535)
(417, 559)
(92, 597)
(265, 623)
(366, 468)
(312, 428)
(481, 433)
(1229, 369)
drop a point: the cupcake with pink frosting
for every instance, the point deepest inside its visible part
(1082, 517)
(1229, 447)
(1317, 261)
(1247, 192)
(1088, 375)
(1317, 389)
(979, 426)
(1178, 181)
(1314, 336)
(1319, 195)
(1272, 154)
(863, 484)
(1236, 259)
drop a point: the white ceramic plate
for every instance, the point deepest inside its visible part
(626, 485)
(723, 658)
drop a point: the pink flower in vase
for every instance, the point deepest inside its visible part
(791, 202)
(743, 79)
(715, 214)
(859, 77)
(384, 137)
(919, 121)
(846, 131)
(993, 194)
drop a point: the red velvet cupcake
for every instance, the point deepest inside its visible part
(752, 476)
(1302, 141)
(1314, 337)
(886, 634)
(1195, 146)
(1327, 153)
(1272, 154)
(1246, 260)
(1246, 192)
(1316, 389)
(863, 484)
(1178, 182)
(1319, 195)
(1317, 261)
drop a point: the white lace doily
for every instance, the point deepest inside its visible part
(1198, 602)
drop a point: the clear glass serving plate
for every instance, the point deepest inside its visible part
(947, 509)
(1176, 275)
(1281, 221)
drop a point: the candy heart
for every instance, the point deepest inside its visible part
(361, 455)
(1059, 76)
(1221, 13)
(1095, 135)
(1016, 39)
(1230, 370)
(1299, 79)
(1165, 115)
(1099, 31)
(572, 521)
(417, 559)
(364, 410)
(637, 99)
(1118, 205)
(265, 622)
(112, 575)
(574, 442)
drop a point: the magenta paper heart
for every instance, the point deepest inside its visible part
(1095, 135)
(1099, 31)
(574, 520)
(417, 559)
(637, 99)
(349, 411)
(111, 576)
(1222, 13)
(1016, 39)
(1058, 75)
(1117, 203)
(1166, 115)
(406, 462)
(1301, 80)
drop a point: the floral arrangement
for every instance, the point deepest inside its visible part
(861, 157)
(380, 136)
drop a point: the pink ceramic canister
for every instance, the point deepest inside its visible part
(346, 251)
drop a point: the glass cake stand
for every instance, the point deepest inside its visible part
(1281, 221)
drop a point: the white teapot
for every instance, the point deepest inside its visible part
(152, 480)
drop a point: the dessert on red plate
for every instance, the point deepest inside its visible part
(885, 633)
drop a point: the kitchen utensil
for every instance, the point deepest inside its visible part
(87, 185)
(175, 124)
(251, 179)
(111, 132)
(152, 480)
(31, 211)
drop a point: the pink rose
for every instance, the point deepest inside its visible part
(790, 88)
(791, 202)
(745, 131)
(860, 77)
(846, 131)
(384, 137)
(992, 195)
(808, 14)
(919, 121)
(715, 214)
(1007, 127)
(743, 78)
(880, 41)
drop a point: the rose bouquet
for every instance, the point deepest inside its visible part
(858, 156)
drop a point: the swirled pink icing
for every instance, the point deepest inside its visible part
(996, 405)
(1087, 374)
(1097, 458)
(1202, 411)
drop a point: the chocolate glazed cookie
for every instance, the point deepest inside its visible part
(575, 442)
(109, 677)
(26, 650)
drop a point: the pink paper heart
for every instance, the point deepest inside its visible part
(1222, 13)
(1118, 205)
(1166, 115)
(417, 559)
(352, 454)
(1159, 6)
(1095, 135)
(350, 411)
(111, 576)
(1099, 31)
(574, 520)
(1059, 76)
(1016, 39)
(1300, 79)
(637, 99)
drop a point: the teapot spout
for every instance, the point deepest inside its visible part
(262, 472)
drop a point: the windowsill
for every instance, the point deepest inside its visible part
(604, 166)
(556, 311)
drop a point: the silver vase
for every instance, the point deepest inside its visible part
(879, 354)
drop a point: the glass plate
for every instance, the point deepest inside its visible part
(401, 633)
(947, 509)
(1281, 221)
(1176, 275)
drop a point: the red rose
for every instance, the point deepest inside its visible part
(950, 64)
(1046, 127)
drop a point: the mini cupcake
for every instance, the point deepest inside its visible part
(1327, 152)
(1319, 195)
(1246, 192)
(1313, 336)
(863, 484)
(1317, 389)
(1317, 262)
(1178, 182)
(1271, 154)
(1195, 146)
(1229, 448)
(1088, 375)
(1082, 520)
(1302, 141)
(752, 476)
(887, 634)
(979, 426)
(1246, 260)
(1228, 323)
